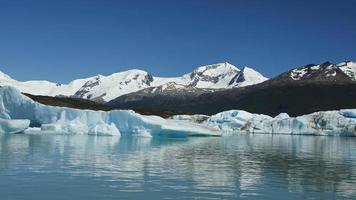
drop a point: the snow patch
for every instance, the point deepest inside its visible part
(315, 67)
(298, 73)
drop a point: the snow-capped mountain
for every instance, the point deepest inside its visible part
(223, 75)
(301, 90)
(325, 72)
(112, 86)
(106, 88)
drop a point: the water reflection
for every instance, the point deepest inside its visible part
(245, 166)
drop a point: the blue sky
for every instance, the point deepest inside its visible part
(67, 39)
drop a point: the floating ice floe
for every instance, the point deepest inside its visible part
(51, 119)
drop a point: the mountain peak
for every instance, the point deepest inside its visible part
(327, 63)
(215, 69)
(213, 76)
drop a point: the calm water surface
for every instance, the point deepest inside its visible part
(240, 167)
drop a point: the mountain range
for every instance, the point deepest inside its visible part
(206, 90)
(302, 90)
(106, 88)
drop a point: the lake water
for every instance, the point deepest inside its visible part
(77, 167)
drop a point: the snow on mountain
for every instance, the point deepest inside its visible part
(326, 69)
(112, 86)
(223, 75)
(170, 90)
(170, 86)
(247, 76)
(327, 72)
(106, 88)
(213, 76)
(349, 68)
(42, 87)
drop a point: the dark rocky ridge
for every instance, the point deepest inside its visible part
(69, 102)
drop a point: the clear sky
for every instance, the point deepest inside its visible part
(67, 39)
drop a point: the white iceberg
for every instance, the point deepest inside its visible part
(13, 126)
(14, 105)
(341, 123)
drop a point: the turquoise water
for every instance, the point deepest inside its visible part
(239, 167)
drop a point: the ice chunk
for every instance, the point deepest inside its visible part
(104, 129)
(282, 116)
(13, 126)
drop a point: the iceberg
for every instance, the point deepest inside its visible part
(52, 119)
(341, 123)
(13, 126)
(235, 120)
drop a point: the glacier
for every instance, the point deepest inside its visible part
(52, 119)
